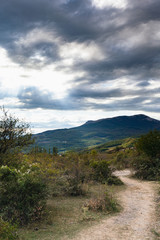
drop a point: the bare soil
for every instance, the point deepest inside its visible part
(135, 221)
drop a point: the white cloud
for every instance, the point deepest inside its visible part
(84, 51)
(69, 52)
(14, 77)
(142, 35)
(110, 3)
(35, 36)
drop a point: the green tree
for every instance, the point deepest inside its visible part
(55, 151)
(147, 162)
(149, 144)
(14, 135)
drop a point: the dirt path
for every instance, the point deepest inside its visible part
(135, 221)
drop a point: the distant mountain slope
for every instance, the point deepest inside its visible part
(112, 145)
(97, 132)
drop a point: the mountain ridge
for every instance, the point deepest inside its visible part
(95, 132)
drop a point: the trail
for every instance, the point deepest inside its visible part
(136, 219)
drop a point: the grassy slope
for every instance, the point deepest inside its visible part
(120, 143)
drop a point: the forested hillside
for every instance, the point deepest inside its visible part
(93, 133)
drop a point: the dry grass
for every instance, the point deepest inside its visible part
(66, 216)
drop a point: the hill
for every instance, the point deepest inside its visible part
(114, 144)
(93, 133)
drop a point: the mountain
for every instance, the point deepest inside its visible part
(114, 145)
(97, 132)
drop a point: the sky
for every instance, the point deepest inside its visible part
(65, 62)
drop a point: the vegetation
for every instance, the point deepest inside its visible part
(68, 215)
(101, 170)
(147, 161)
(94, 133)
(29, 182)
(43, 189)
(14, 135)
(113, 180)
(149, 144)
(22, 192)
(115, 145)
(8, 231)
(22, 195)
(104, 204)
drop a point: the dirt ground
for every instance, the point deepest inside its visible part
(136, 220)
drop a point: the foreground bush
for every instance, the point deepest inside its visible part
(101, 170)
(22, 195)
(113, 180)
(106, 204)
(68, 186)
(147, 162)
(7, 231)
(147, 168)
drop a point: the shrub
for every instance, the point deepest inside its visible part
(106, 204)
(147, 168)
(77, 165)
(149, 144)
(113, 180)
(7, 231)
(75, 187)
(147, 161)
(22, 195)
(68, 185)
(96, 204)
(101, 170)
(59, 186)
(121, 160)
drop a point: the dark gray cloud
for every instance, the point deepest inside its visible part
(137, 103)
(140, 100)
(78, 20)
(33, 32)
(32, 97)
(85, 92)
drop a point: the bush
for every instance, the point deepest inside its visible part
(59, 186)
(22, 195)
(147, 168)
(149, 144)
(7, 231)
(68, 186)
(101, 170)
(75, 187)
(147, 161)
(105, 204)
(77, 165)
(122, 160)
(113, 180)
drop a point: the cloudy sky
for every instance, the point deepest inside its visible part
(68, 61)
